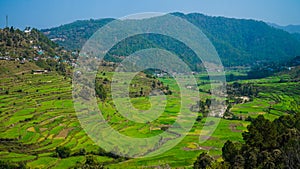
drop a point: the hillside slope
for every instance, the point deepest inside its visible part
(26, 44)
(238, 41)
(74, 35)
(293, 29)
(31, 49)
(288, 28)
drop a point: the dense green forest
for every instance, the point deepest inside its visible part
(238, 41)
(288, 28)
(73, 36)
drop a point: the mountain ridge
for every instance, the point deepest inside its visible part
(292, 29)
(288, 28)
(243, 42)
(80, 27)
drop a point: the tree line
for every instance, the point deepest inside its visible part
(267, 144)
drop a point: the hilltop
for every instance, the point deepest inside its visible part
(31, 48)
(29, 43)
(239, 42)
(293, 29)
(288, 28)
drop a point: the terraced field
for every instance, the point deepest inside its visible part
(37, 115)
(274, 99)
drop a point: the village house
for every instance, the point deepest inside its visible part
(39, 72)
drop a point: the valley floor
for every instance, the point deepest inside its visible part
(37, 115)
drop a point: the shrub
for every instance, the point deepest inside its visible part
(63, 152)
(203, 161)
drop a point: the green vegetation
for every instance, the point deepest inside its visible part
(267, 145)
(260, 127)
(63, 152)
(237, 41)
(203, 161)
(26, 44)
(37, 116)
(241, 42)
(72, 36)
(33, 46)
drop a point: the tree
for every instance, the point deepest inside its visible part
(9, 42)
(267, 144)
(291, 156)
(90, 160)
(229, 151)
(231, 77)
(199, 118)
(261, 133)
(90, 163)
(100, 91)
(63, 152)
(12, 30)
(239, 162)
(204, 160)
(208, 102)
(81, 151)
(250, 157)
(12, 165)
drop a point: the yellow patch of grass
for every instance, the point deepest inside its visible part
(31, 129)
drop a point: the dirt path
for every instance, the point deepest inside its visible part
(206, 148)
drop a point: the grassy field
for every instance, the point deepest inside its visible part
(37, 115)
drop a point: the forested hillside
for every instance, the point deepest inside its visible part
(238, 41)
(288, 28)
(74, 35)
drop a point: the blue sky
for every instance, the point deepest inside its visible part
(50, 13)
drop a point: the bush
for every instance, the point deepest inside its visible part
(100, 91)
(199, 118)
(82, 151)
(203, 161)
(91, 163)
(164, 128)
(63, 152)
(12, 165)
(249, 118)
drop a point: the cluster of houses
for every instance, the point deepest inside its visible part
(57, 39)
(8, 58)
(160, 74)
(22, 61)
(71, 62)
